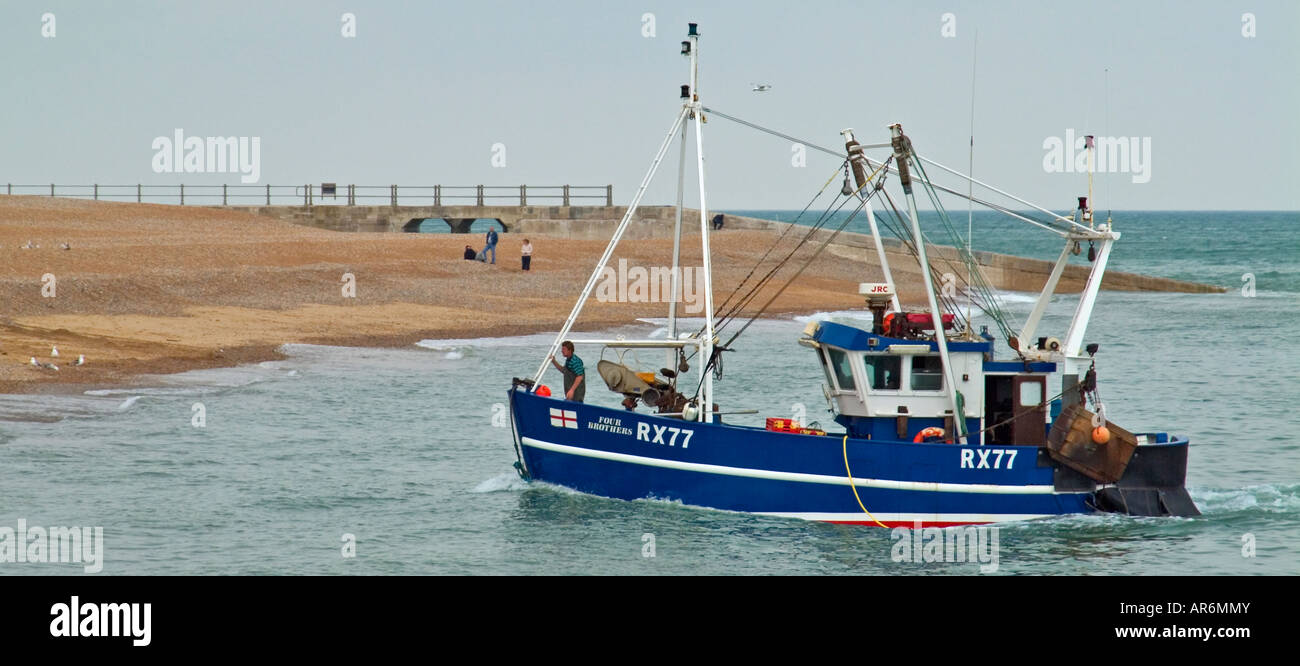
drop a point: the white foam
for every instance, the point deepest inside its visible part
(455, 344)
(1270, 498)
(508, 481)
(126, 404)
(155, 391)
(860, 315)
(1015, 297)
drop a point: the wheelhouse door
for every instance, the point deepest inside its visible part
(1028, 395)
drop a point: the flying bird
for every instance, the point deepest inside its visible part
(761, 87)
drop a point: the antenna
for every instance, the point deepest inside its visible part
(1105, 123)
(970, 185)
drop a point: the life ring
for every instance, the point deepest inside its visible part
(927, 433)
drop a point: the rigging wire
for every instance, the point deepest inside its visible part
(718, 350)
(975, 282)
(780, 238)
(975, 277)
(861, 204)
(787, 137)
(1058, 224)
(826, 216)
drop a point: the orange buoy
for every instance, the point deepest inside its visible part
(926, 433)
(543, 391)
(1101, 434)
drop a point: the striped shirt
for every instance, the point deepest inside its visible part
(574, 365)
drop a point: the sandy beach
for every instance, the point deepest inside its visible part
(149, 289)
(153, 289)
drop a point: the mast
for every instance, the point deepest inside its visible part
(1089, 145)
(857, 161)
(706, 345)
(677, 247)
(613, 242)
(691, 110)
(902, 154)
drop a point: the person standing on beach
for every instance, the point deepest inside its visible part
(574, 374)
(491, 244)
(527, 251)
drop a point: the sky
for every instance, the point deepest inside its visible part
(548, 93)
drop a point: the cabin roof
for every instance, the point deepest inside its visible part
(1019, 366)
(853, 338)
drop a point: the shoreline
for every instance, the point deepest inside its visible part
(135, 374)
(151, 289)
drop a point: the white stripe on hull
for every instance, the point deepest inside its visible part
(920, 486)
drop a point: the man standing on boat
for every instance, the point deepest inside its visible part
(491, 244)
(574, 388)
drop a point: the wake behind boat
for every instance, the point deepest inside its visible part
(936, 430)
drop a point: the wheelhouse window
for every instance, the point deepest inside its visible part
(1031, 394)
(883, 372)
(927, 373)
(843, 371)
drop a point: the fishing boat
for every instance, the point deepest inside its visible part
(935, 429)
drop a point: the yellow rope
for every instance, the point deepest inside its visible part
(853, 485)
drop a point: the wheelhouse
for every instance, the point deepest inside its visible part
(881, 387)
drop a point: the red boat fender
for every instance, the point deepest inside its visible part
(927, 433)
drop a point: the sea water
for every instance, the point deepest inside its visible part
(398, 461)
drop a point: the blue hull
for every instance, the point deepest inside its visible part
(629, 455)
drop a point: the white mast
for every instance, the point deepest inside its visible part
(691, 109)
(613, 242)
(706, 345)
(677, 250)
(902, 153)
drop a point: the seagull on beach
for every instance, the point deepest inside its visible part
(47, 366)
(54, 352)
(81, 360)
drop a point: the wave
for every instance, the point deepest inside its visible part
(54, 408)
(457, 344)
(1267, 498)
(1007, 297)
(858, 315)
(506, 481)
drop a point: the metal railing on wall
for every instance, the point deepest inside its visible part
(314, 194)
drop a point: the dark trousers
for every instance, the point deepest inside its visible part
(580, 393)
(527, 261)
